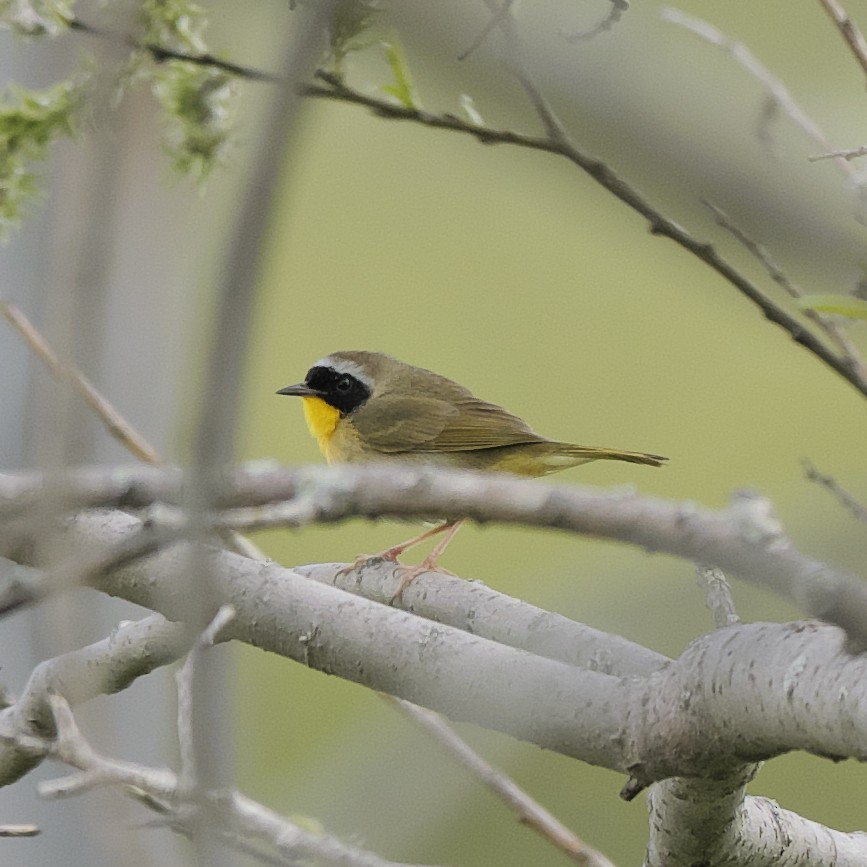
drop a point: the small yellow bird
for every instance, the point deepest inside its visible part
(368, 406)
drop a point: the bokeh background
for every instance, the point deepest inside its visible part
(514, 273)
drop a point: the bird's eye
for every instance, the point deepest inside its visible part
(344, 384)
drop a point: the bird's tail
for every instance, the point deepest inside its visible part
(583, 454)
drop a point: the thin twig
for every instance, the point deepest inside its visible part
(116, 425)
(505, 20)
(776, 89)
(858, 509)
(126, 552)
(188, 776)
(834, 331)
(745, 540)
(718, 595)
(227, 812)
(330, 87)
(161, 54)
(490, 24)
(111, 418)
(19, 830)
(849, 30)
(529, 812)
(184, 687)
(846, 154)
(615, 13)
(72, 573)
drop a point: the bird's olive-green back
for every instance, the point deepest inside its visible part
(414, 409)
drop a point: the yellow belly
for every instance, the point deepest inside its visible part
(321, 420)
(338, 442)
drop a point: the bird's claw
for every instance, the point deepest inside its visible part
(364, 560)
(410, 573)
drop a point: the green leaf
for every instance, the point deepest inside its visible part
(199, 109)
(30, 120)
(403, 88)
(37, 17)
(177, 24)
(470, 110)
(350, 20)
(198, 101)
(842, 305)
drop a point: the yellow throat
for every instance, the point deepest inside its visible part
(321, 420)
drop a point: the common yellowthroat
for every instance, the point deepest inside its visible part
(368, 406)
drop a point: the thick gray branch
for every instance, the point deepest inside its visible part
(739, 694)
(479, 610)
(226, 814)
(690, 817)
(107, 666)
(745, 540)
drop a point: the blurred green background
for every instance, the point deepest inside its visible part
(515, 274)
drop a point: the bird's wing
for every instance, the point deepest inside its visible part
(481, 425)
(424, 424)
(402, 424)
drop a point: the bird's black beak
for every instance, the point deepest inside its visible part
(300, 390)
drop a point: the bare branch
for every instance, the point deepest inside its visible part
(529, 812)
(615, 13)
(857, 508)
(108, 666)
(557, 142)
(123, 487)
(19, 830)
(332, 88)
(719, 596)
(116, 425)
(746, 540)
(776, 89)
(689, 817)
(762, 698)
(834, 331)
(490, 614)
(223, 812)
(848, 30)
(161, 54)
(846, 154)
(187, 777)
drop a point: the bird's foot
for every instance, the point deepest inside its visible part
(364, 560)
(410, 573)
